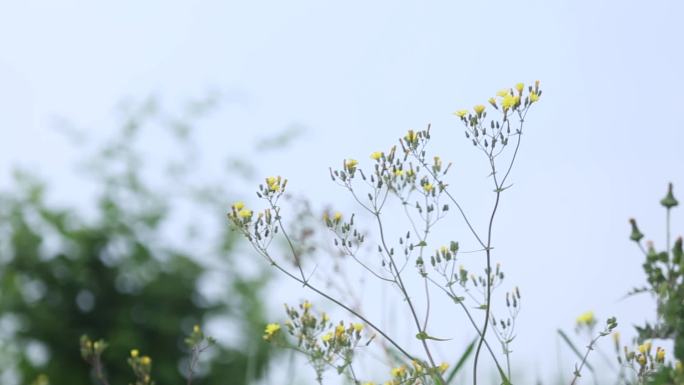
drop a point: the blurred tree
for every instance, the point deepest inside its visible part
(122, 272)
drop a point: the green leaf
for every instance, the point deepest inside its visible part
(425, 336)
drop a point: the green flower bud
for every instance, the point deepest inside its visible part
(636, 234)
(669, 201)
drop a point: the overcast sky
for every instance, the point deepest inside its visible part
(600, 147)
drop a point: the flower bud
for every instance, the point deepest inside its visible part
(636, 234)
(669, 201)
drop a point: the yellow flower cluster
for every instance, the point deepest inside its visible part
(642, 356)
(273, 183)
(141, 366)
(399, 371)
(509, 99)
(271, 330)
(240, 214)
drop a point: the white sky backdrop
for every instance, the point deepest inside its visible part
(600, 146)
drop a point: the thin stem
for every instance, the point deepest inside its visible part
(191, 364)
(402, 287)
(306, 284)
(590, 347)
(470, 318)
(488, 302)
(667, 242)
(98, 371)
(498, 188)
(295, 255)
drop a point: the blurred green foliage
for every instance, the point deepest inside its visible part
(664, 272)
(112, 268)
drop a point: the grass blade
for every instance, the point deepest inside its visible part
(461, 361)
(574, 349)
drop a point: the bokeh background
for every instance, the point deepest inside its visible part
(130, 114)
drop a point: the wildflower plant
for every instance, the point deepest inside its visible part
(664, 272)
(418, 181)
(324, 343)
(141, 365)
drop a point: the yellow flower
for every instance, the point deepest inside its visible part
(645, 347)
(417, 366)
(398, 172)
(586, 318)
(273, 183)
(239, 205)
(443, 367)
(508, 101)
(357, 327)
(660, 355)
(376, 155)
(306, 305)
(398, 371)
(145, 360)
(196, 329)
(271, 330)
(641, 359)
(427, 186)
(503, 93)
(327, 337)
(350, 164)
(411, 137)
(339, 330)
(492, 101)
(519, 87)
(325, 317)
(479, 109)
(135, 353)
(337, 216)
(461, 113)
(245, 213)
(534, 97)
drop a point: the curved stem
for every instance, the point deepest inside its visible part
(498, 189)
(488, 270)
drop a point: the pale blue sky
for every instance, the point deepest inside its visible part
(600, 146)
